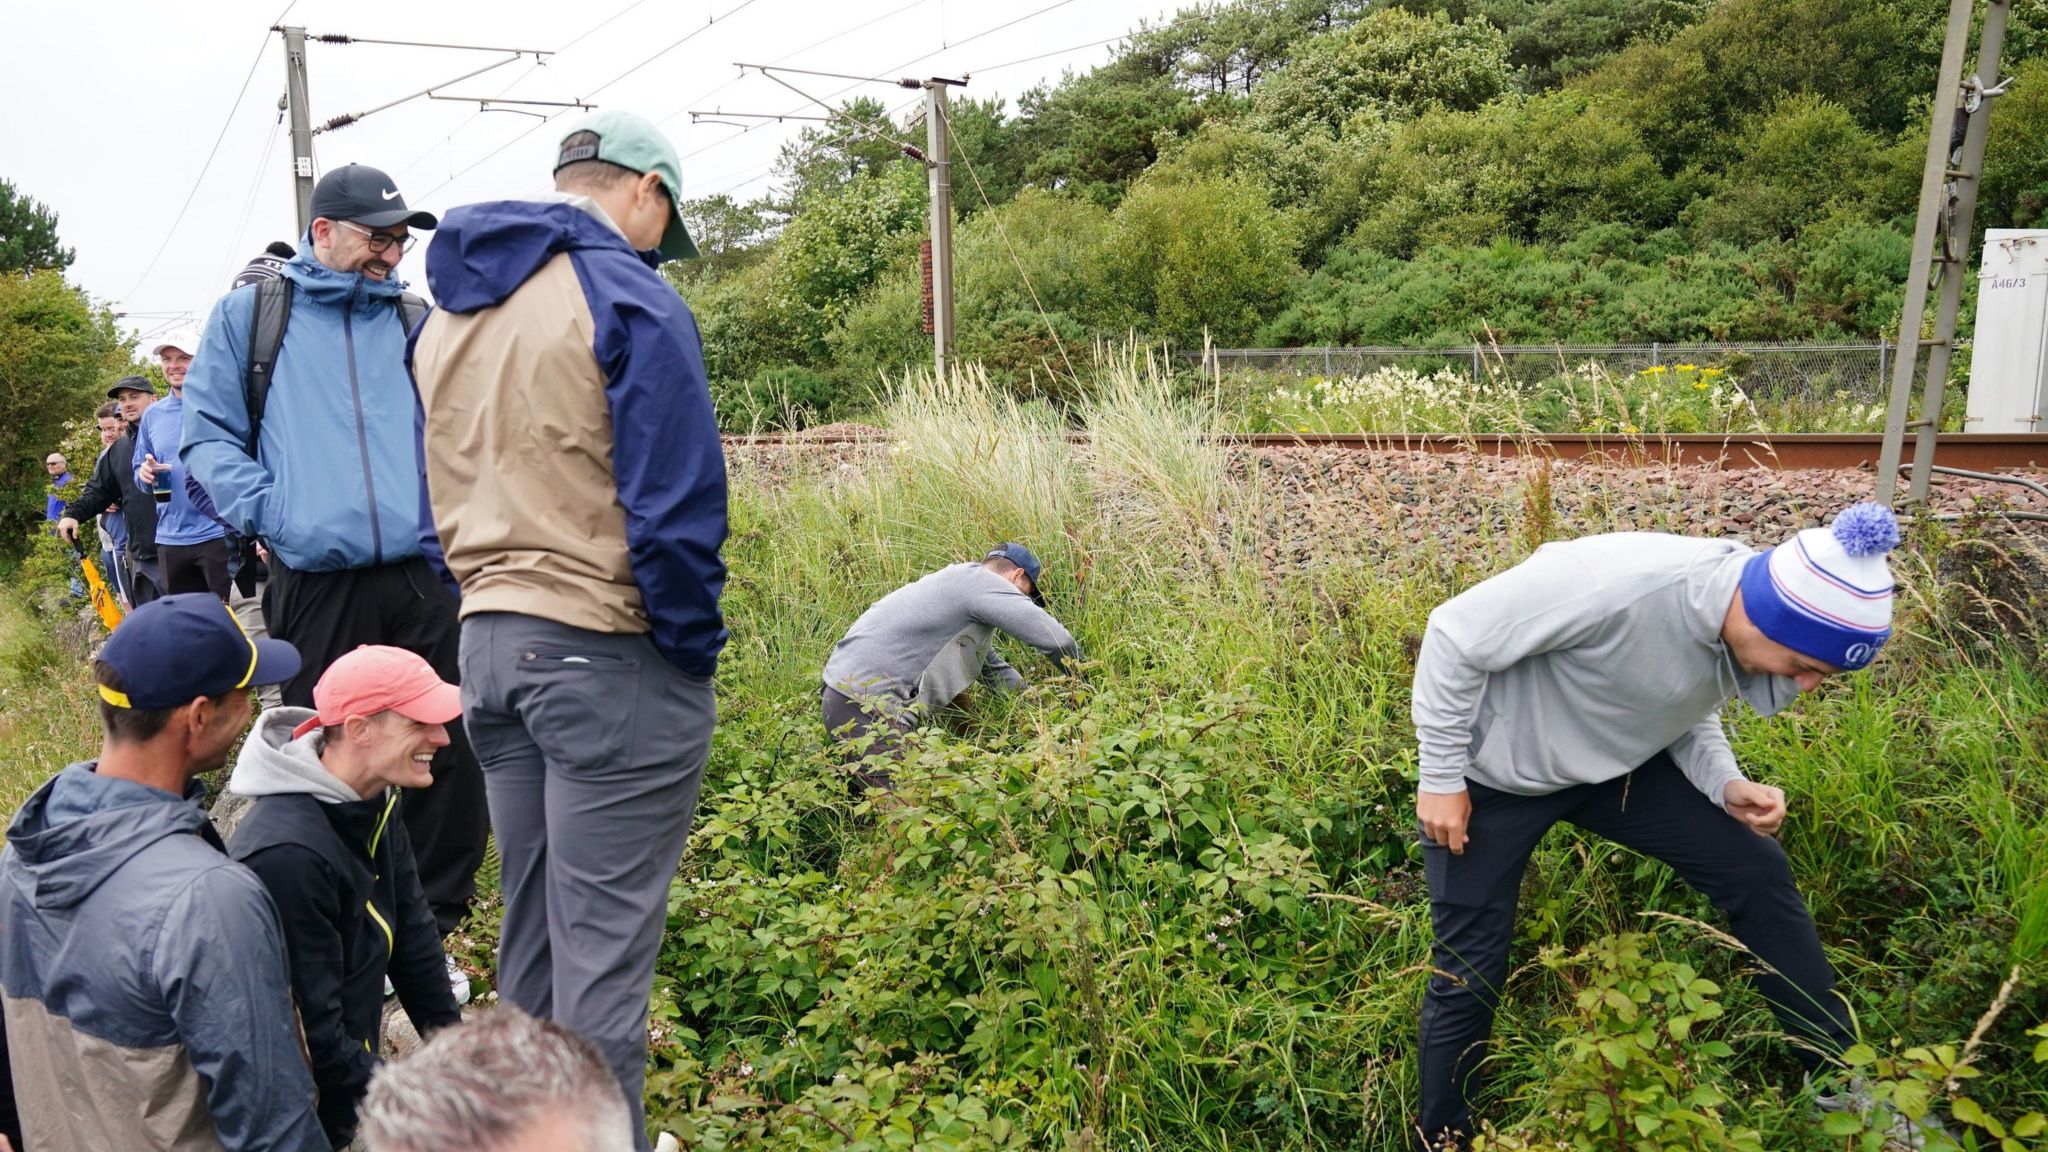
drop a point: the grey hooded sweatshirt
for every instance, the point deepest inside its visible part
(1579, 664)
(929, 640)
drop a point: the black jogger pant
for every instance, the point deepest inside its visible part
(1655, 811)
(142, 581)
(329, 614)
(201, 567)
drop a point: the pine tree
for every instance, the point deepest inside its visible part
(28, 234)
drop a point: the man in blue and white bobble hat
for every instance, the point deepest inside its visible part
(1585, 685)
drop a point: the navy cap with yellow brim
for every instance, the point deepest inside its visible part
(174, 650)
(632, 142)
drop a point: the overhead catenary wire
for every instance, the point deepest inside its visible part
(820, 42)
(495, 152)
(210, 154)
(898, 67)
(874, 132)
(756, 171)
(709, 24)
(538, 63)
(249, 205)
(1046, 55)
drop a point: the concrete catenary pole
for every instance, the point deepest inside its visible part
(939, 171)
(301, 120)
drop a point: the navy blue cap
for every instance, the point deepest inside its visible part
(174, 650)
(1020, 556)
(130, 384)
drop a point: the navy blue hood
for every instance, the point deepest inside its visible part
(79, 828)
(482, 253)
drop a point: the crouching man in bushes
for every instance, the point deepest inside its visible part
(1585, 685)
(923, 645)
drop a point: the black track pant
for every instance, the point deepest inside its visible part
(1656, 811)
(142, 581)
(326, 615)
(201, 567)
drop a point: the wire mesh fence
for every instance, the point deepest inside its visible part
(1849, 372)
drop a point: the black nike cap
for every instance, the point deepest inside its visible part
(364, 195)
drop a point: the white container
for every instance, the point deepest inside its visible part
(2009, 355)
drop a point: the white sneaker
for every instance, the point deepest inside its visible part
(389, 991)
(458, 981)
(668, 1143)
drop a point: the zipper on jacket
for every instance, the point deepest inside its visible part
(355, 391)
(370, 905)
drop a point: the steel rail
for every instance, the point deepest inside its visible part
(1975, 451)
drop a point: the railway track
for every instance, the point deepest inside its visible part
(1977, 452)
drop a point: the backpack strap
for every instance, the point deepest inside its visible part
(267, 320)
(411, 310)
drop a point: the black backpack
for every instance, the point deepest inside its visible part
(267, 322)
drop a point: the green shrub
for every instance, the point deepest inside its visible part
(772, 399)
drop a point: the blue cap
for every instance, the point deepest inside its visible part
(172, 651)
(1020, 556)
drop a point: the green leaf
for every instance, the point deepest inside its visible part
(1970, 1112)
(1842, 1124)
(2030, 1125)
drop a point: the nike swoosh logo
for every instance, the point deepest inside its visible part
(391, 195)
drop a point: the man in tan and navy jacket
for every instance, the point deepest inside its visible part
(573, 473)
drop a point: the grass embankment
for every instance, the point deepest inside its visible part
(1179, 906)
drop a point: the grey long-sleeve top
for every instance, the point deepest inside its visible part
(929, 640)
(1579, 664)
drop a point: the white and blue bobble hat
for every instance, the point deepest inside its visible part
(1827, 592)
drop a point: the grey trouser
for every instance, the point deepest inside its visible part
(865, 729)
(593, 747)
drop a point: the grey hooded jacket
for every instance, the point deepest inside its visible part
(144, 977)
(928, 641)
(1583, 661)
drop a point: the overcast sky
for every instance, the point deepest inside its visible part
(114, 106)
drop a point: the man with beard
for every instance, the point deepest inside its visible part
(323, 471)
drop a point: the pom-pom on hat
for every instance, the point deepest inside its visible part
(1827, 592)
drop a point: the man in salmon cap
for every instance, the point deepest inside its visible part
(321, 838)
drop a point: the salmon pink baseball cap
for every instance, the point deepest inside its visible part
(377, 678)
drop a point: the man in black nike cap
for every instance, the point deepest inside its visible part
(327, 476)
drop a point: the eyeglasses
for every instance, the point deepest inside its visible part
(380, 241)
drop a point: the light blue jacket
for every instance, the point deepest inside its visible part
(335, 482)
(177, 521)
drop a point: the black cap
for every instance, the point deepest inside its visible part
(267, 265)
(130, 384)
(364, 195)
(173, 650)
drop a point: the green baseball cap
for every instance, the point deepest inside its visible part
(631, 142)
